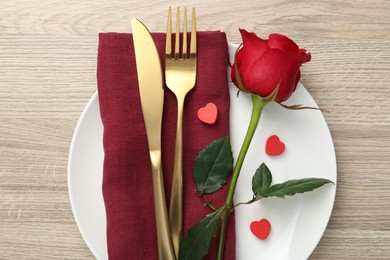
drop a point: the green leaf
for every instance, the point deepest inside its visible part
(261, 181)
(195, 245)
(213, 166)
(292, 187)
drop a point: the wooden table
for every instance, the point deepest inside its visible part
(48, 73)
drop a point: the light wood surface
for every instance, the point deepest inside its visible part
(48, 73)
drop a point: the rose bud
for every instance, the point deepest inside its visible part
(263, 64)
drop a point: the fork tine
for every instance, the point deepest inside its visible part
(193, 35)
(184, 46)
(168, 41)
(177, 37)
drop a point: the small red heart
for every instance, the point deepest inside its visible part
(274, 146)
(261, 228)
(208, 114)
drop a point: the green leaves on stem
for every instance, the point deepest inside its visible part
(196, 243)
(213, 166)
(261, 181)
(261, 184)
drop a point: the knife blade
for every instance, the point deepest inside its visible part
(151, 88)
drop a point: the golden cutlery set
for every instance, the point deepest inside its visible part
(180, 78)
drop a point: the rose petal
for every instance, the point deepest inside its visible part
(282, 42)
(298, 77)
(305, 57)
(253, 47)
(273, 67)
(239, 55)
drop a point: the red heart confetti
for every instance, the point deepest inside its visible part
(274, 146)
(208, 114)
(261, 228)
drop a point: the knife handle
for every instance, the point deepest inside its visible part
(176, 202)
(165, 248)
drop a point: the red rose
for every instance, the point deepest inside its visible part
(262, 64)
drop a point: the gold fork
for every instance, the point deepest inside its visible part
(180, 77)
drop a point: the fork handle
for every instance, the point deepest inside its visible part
(165, 247)
(176, 203)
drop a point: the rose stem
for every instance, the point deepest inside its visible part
(258, 105)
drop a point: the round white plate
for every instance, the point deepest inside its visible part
(298, 222)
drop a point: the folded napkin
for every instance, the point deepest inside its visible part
(127, 183)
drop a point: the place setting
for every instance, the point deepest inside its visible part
(194, 147)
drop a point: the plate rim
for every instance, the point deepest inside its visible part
(76, 132)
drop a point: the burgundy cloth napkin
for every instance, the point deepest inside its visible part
(127, 183)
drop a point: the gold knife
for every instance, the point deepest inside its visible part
(150, 81)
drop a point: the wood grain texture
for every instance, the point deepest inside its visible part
(48, 73)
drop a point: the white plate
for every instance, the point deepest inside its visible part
(298, 222)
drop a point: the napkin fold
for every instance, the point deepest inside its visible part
(127, 179)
